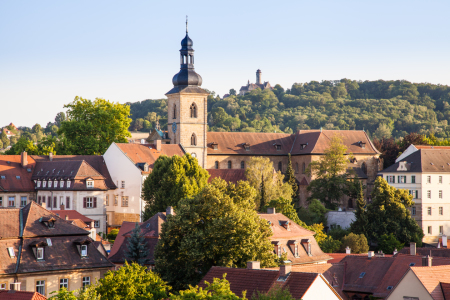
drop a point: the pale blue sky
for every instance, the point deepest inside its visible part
(52, 51)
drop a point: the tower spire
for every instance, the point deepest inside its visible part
(186, 24)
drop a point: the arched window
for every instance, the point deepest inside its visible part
(242, 164)
(174, 111)
(193, 110)
(303, 168)
(193, 154)
(296, 167)
(364, 168)
(193, 140)
(229, 164)
(280, 166)
(216, 164)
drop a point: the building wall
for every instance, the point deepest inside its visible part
(342, 218)
(121, 168)
(409, 286)
(4, 197)
(320, 290)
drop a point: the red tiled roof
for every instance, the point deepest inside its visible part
(433, 252)
(126, 226)
(141, 153)
(73, 215)
(13, 169)
(9, 222)
(431, 147)
(229, 175)
(431, 278)
(445, 290)
(21, 295)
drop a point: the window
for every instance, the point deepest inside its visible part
(123, 184)
(67, 202)
(441, 230)
(193, 140)
(174, 111)
(362, 275)
(68, 183)
(1, 201)
(97, 224)
(413, 179)
(278, 147)
(410, 298)
(61, 184)
(401, 179)
(428, 179)
(12, 201)
(413, 211)
(90, 184)
(116, 200)
(229, 164)
(64, 283)
(124, 201)
(440, 179)
(390, 179)
(216, 164)
(40, 253)
(11, 252)
(350, 203)
(83, 250)
(38, 184)
(55, 202)
(193, 110)
(429, 210)
(242, 164)
(364, 168)
(44, 183)
(440, 194)
(296, 250)
(296, 168)
(86, 281)
(303, 168)
(2, 286)
(194, 154)
(412, 264)
(280, 166)
(429, 230)
(40, 286)
(441, 211)
(55, 183)
(49, 183)
(429, 194)
(279, 251)
(89, 202)
(23, 201)
(107, 200)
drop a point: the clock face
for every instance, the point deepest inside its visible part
(174, 127)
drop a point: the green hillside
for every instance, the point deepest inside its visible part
(382, 108)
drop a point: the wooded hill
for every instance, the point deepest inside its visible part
(382, 108)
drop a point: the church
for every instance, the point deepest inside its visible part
(226, 154)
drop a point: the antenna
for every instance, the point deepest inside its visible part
(186, 24)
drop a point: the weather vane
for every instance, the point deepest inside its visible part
(186, 24)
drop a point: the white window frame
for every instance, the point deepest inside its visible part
(49, 183)
(440, 179)
(440, 194)
(429, 194)
(402, 179)
(40, 284)
(89, 202)
(428, 179)
(13, 199)
(96, 224)
(123, 184)
(413, 178)
(68, 183)
(44, 183)
(64, 282)
(61, 184)
(40, 253)
(38, 183)
(83, 249)
(55, 183)
(430, 230)
(90, 184)
(441, 230)
(86, 281)
(429, 211)
(2, 286)
(441, 210)
(11, 252)
(413, 210)
(296, 250)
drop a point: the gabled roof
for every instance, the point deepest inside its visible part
(229, 175)
(72, 215)
(431, 278)
(9, 222)
(424, 160)
(146, 153)
(21, 295)
(445, 290)
(296, 231)
(11, 170)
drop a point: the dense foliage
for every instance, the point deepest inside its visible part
(388, 244)
(172, 179)
(356, 242)
(137, 247)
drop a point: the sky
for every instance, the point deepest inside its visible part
(128, 51)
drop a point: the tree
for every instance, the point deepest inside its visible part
(63, 294)
(92, 126)
(217, 290)
(111, 236)
(37, 128)
(87, 293)
(330, 245)
(132, 282)
(269, 184)
(60, 117)
(172, 179)
(360, 225)
(330, 174)
(275, 293)
(4, 139)
(388, 243)
(232, 92)
(1, 144)
(289, 177)
(137, 247)
(388, 213)
(356, 242)
(217, 227)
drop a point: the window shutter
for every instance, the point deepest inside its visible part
(39, 199)
(417, 194)
(95, 202)
(393, 179)
(84, 202)
(67, 202)
(398, 178)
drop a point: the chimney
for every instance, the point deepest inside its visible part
(271, 210)
(371, 254)
(169, 210)
(158, 145)
(44, 205)
(62, 207)
(444, 241)
(427, 261)
(395, 251)
(67, 218)
(15, 286)
(91, 224)
(24, 159)
(50, 156)
(285, 270)
(348, 250)
(253, 265)
(412, 248)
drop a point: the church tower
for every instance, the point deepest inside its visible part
(187, 106)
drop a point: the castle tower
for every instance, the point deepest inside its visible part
(258, 77)
(187, 106)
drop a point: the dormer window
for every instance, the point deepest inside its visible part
(215, 146)
(49, 183)
(38, 249)
(296, 250)
(246, 146)
(90, 184)
(285, 224)
(83, 250)
(68, 183)
(38, 184)
(48, 221)
(362, 144)
(11, 252)
(61, 183)
(17, 177)
(40, 253)
(3, 177)
(303, 146)
(55, 183)
(277, 146)
(44, 183)
(307, 245)
(82, 246)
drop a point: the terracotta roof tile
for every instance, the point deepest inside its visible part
(431, 278)
(425, 160)
(9, 222)
(21, 295)
(433, 252)
(445, 290)
(229, 175)
(73, 215)
(11, 170)
(126, 226)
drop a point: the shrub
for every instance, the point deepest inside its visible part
(356, 242)
(388, 243)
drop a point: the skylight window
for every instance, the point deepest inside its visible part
(49, 242)
(412, 264)
(11, 252)
(390, 287)
(3, 177)
(362, 274)
(17, 177)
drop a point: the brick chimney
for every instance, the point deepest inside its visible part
(427, 261)
(24, 159)
(285, 270)
(253, 265)
(158, 145)
(271, 210)
(412, 248)
(62, 207)
(50, 156)
(169, 210)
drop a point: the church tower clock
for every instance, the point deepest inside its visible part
(187, 106)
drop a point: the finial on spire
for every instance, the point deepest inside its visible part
(186, 24)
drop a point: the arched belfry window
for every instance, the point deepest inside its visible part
(193, 140)
(193, 110)
(174, 111)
